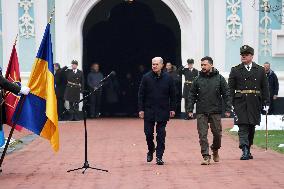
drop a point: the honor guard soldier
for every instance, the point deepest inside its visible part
(249, 90)
(73, 89)
(189, 74)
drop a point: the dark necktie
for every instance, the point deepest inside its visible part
(248, 67)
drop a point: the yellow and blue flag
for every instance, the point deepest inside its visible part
(37, 111)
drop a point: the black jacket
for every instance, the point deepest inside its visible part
(248, 106)
(156, 96)
(60, 83)
(207, 92)
(273, 83)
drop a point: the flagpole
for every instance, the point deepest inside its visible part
(51, 15)
(12, 129)
(16, 39)
(11, 132)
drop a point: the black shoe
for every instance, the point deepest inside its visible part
(250, 156)
(150, 156)
(159, 161)
(245, 155)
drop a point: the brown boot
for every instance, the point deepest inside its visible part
(206, 160)
(216, 157)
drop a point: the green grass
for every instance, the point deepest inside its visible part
(275, 137)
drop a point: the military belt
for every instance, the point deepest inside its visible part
(76, 84)
(188, 82)
(248, 91)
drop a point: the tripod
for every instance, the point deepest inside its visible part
(86, 163)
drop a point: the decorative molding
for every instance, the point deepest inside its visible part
(26, 22)
(234, 26)
(265, 29)
(276, 10)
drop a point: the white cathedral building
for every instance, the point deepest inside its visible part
(122, 34)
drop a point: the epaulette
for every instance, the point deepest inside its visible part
(237, 66)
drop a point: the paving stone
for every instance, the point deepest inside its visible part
(119, 145)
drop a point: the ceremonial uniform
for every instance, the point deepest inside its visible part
(73, 89)
(249, 90)
(189, 75)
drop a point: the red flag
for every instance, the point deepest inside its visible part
(11, 100)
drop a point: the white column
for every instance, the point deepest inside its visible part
(9, 28)
(211, 28)
(251, 25)
(62, 9)
(40, 15)
(195, 34)
(217, 25)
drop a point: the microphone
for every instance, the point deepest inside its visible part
(112, 74)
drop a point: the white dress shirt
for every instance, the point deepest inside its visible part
(248, 66)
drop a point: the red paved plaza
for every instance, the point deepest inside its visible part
(119, 145)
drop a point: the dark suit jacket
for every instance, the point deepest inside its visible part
(156, 96)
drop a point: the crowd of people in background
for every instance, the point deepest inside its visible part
(118, 96)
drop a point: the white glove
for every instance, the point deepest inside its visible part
(266, 108)
(25, 90)
(69, 66)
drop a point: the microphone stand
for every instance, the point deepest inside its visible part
(86, 164)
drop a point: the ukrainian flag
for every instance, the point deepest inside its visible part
(37, 111)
